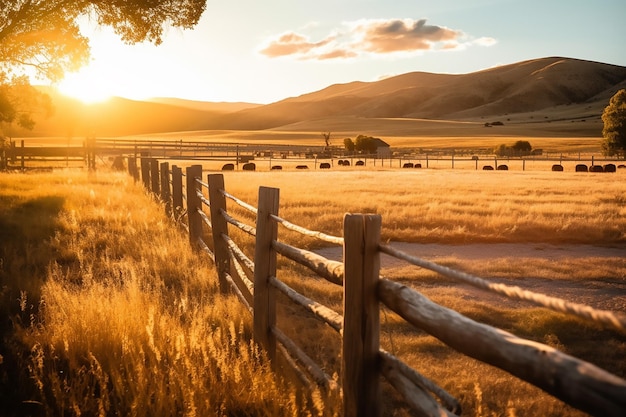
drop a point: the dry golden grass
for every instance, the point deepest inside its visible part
(452, 206)
(456, 208)
(117, 315)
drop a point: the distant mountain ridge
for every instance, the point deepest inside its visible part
(583, 87)
(523, 87)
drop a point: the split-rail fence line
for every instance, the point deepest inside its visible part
(48, 153)
(203, 205)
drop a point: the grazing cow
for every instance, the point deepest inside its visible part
(596, 168)
(557, 167)
(418, 165)
(250, 166)
(407, 165)
(277, 167)
(359, 163)
(487, 168)
(324, 165)
(581, 168)
(302, 167)
(228, 167)
(610, 168)
(503, 167)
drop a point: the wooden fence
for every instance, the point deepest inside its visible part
(12, 155)
(254, 281)
(48, 152)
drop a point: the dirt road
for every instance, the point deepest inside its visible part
(607, 294)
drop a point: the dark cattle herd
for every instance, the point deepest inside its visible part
(250, 166)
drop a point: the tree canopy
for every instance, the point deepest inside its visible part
(614, 131)
(519, 148)
(42, 37)
(366, 144)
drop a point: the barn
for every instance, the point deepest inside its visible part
(383, 150)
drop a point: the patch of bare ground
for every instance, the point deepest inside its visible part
(606, 293)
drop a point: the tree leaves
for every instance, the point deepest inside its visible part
(614, 131)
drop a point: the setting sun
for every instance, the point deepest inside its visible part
(87, 86)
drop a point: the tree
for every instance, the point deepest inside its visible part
(502, 150)
(366, 144)
(519, 148)
(522, 147)
(326, 136)
(614, 131)
(348, 144)
(42, 37)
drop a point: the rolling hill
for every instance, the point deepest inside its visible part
(548, 89)
(526, 87)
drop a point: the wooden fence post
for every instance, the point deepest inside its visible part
(264, 268)
(166, 194)
(194, 204)
(23, 150)
(132, 168)
(361, 328)
(145, 172)
(155, 177)
(90, 151)
(219, 227)
(177, 191)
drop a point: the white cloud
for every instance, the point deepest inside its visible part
(373, 37)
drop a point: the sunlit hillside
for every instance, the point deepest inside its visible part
(550, 97)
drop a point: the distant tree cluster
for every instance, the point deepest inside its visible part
(614, 131)
(362, 144)
(519, 148)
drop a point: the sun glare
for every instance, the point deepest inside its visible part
(86, 86)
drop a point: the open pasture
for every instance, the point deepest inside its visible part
(115, 252)
(453, 206)
(530, 211)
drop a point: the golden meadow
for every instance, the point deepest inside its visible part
(107, 311)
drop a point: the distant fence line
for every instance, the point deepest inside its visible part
(261, 156)
(201, 207)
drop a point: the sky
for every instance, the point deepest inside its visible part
(263, 51)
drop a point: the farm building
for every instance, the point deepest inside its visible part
(383, 150)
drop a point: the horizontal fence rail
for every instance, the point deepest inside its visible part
(50, 153)
(199, 205)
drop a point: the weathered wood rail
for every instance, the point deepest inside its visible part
(254, 281)
(48, 152)
(47, 156)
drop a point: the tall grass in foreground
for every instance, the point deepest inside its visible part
(107, 311)
(110, 313)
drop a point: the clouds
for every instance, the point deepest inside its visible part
(371, 37)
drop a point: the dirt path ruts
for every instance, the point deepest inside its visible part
(606, 294)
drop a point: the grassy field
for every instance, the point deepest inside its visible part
(106, 311)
